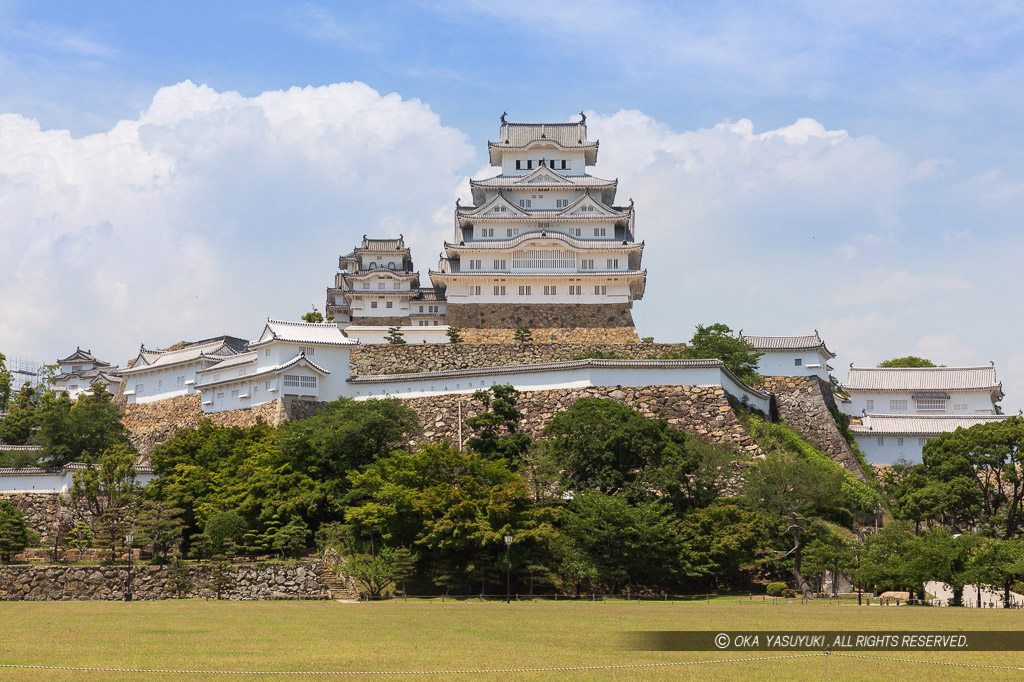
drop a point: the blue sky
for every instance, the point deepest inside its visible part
(849, 166)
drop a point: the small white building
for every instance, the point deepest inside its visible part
(162, 374)
(290, 359)
(792, 356)
(80, 370)
(56, 480)
(896, 410)
(369, 334)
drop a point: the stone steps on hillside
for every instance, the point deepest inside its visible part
(340, 587)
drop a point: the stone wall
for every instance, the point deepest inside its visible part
(701, 410)
(804, 403)
(382, 321)
(108, 583)
(150, 424)
(538, 315)
(436, 357)
(40, 510)
(583, 335)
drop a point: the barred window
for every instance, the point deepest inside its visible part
(869, 405)
(299, 381)
(931, 404)
(897, 405)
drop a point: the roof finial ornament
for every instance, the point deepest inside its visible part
(457, 200)
(631, 202)
(583, 117)
(503, 115)
(851, 365)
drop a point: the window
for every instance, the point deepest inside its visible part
(881, 442)
(423, 323)
(433, 308)
(544, 224)
(798, 362)
(139, 388)
(220, 397)
(179, 381)
(529, 164)
(255, 390)
(474, 264)
(500, 264)
(366, 285)
(587, 264)
(563, 164)
(931, 404)
(599, 231)
(561, 203)
(613, 264)
(525, 290)
(234, 394)
(550, 290)
(960, 407)
(380, 285)
(73, 387)
(76, 368)
(421, 309)
(487, 232)
(921, 442)
(575, 290)
(308, 350)
(897, 405)
(578, 231)
(266, 353)
(869, 405)
(398, 285)
(899, 442)
(526, 203)
(499, 290)
(600, 290)
(299, 381)
(500, 209)
(373, 304)
(474, 290)
(511, 232)
(388, 304)
(519, 164)
(160, 383)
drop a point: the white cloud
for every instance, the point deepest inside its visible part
(208, 212)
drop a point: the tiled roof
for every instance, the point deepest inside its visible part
(197, 351)
(551, 366)
(105, 373)
(564, 134)
(884, 424)
(83, 356)
(512, 180)
(232, 361)
(922, 379)
(73, 466)
(300, 358)
(325, 333)
(770, 343)
(20, 448)
(603, 244)
(384, 244)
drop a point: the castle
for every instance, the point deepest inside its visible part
(544, 246)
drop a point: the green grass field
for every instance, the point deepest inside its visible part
(394, 636)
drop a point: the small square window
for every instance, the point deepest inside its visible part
(798, 362)
(881, 442)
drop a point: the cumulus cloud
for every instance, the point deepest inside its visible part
(208, 212)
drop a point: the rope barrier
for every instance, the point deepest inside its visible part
(916, 660)
(407, 672)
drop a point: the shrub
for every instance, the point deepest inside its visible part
(790, 594)
(775, 589)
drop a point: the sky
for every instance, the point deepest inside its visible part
(180, 171)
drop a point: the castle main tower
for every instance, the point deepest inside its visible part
(544, 244)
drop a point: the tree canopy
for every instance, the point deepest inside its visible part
(717, 341)
(907, 361)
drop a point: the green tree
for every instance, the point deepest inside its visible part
(6, 381)
(907, 361)
(717, 341)
(290, 539)
(79, 431)
(375, 573)
(111, 494)
(160, 526)
(599, 444)
(221, 578)
(179, 578)
(14, 534)
(21, 421)
(721, 539)
(80, 537)
(496, 427)
(225, 530)
(313, 316)
(395, 336)
(454, 334)
(523, 334)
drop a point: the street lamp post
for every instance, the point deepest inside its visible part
(508, 570)
(128, 539)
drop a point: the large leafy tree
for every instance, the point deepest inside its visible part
(14, 535)
(599, 444)
(79, 431)
(496, 428)
(21, 421)
(978, 472)
(721, 539)
(718, 341)
(111, 494)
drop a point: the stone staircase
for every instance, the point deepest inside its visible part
(341, 586)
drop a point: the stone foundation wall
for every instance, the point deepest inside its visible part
(436, 357)
(40, 510)
(804, 403)
(538, 315)
(150, 424)
(108, 583)
(700, 410)
(582, 335)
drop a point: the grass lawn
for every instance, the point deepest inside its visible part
(429, 635)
